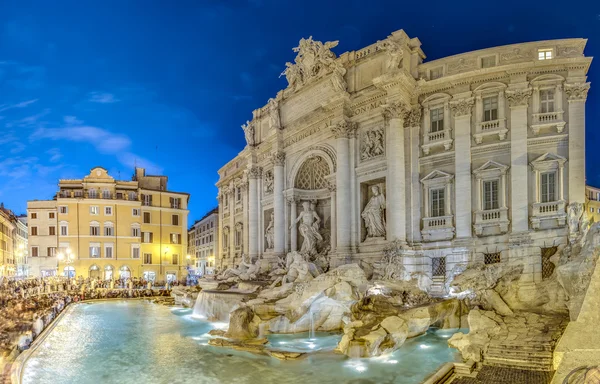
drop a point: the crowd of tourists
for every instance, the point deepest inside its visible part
(28, 305)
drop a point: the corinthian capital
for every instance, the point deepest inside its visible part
(518, 97)
(395, 110)
(343, 129)
(254, 172)
(413, 118)
(462, 107)
(577, 92)
(278, 158)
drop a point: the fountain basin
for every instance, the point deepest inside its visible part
(136, 341)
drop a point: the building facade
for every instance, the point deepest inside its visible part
(202, 242)
(8, 233)
(592, 195)
(473, 157)
(42, 221)
(21, 246)
(113, 229)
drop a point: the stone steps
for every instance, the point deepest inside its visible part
(517, 354)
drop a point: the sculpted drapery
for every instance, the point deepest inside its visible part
(373, 214)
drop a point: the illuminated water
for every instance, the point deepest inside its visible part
(139, 342)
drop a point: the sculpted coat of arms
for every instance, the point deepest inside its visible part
(314, 59)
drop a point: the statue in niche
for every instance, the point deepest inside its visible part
(373, 214)
(372, 145)
(249, 133)
(309, 229)
(270, 233)
(269, 180)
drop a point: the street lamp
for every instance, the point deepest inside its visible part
(68, 260)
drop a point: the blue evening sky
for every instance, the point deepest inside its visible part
(167, 84)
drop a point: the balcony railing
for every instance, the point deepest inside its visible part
(439, 138)
(488, 125)
(549, 208)
(491, 221)
(490, 128)
(438, 228)
(548, 119)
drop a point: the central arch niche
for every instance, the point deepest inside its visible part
(312, 173)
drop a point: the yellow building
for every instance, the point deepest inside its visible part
(8, 228)
(592, 199)
(114, 229)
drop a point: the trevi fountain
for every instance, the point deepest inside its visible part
(371, 240)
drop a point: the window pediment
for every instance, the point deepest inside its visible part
(490, 169)
(547, 80)
(548, 161)
(436, 99)
(489, 88)
(437, 178)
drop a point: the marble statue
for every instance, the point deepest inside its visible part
(372, 144)
(270, 233)
(373, 214)
(273, 108)
(309, 229)
(337, 78)
(269, 181)
(249, 133)
(575, 212)
(299, 270)
(394, 52)
(314, 59)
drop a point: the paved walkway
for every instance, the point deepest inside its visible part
(497, 375)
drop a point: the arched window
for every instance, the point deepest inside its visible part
(94, 271)
(311, 174)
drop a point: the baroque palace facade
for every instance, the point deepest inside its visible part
(473, 157)
(106, 228)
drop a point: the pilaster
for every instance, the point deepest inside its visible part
(395, 113)
(254, 173)
(278, 159)
(462, 109)
(519, 205)
(577, 95)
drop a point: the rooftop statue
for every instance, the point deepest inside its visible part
(314, 59)
(249, 133)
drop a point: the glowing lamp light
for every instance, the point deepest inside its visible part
(60, 256)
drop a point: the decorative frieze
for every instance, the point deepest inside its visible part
(571, 51)
(268, 181)
(395, 110)
(372, 143)
(343, 129)
(461, 65)
(462, 107)
(278, 158)
(413, 118)
(254, 172)
(517, 54)
(577, 92)
(518, 97)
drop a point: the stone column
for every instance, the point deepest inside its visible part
(293, 228)
(333, 229)
(245, 200)
(395, 199)
(278, 203)
(342, 131)
(254, 173)
(519, 204)
(462, 160)
(577, 94)
(231, 221)
(413, 122)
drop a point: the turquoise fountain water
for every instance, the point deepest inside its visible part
(140, 342)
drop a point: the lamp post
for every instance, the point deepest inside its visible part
(68, 260)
